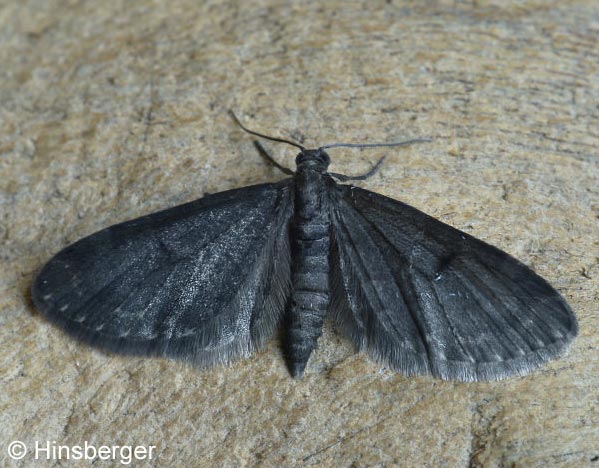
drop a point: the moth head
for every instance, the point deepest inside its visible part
(315, 159)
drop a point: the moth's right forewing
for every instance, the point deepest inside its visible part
(424, 297)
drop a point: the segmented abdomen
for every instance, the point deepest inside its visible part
(310, 286)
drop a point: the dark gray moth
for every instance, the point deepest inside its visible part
(211, 280)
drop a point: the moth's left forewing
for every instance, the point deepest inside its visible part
(424, 297)
(205, 281)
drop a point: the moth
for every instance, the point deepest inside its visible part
(211, 280)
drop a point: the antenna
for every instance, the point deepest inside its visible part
(376, 145)
(280, 140)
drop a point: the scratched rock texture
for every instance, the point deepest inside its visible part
(110, 110)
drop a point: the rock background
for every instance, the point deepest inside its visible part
(110, 110)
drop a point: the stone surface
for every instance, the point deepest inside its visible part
(110, 110)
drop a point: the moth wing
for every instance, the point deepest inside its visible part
(425, 298)
(205, 281)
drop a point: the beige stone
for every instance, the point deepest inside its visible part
(110, 110)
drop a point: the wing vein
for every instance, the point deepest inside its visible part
(491, 292)
(363, 269)
(516, 285)
(418, 326)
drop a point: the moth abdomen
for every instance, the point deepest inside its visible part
(305, 318)
(310, 299)
(310, 295)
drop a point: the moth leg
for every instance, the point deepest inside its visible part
(270, 159)
(370, 173)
